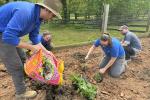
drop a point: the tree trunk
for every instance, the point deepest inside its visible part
(7, 1)
(68, 16)
(76, 16)
(65, 11)
(88, 16)
(148, 22)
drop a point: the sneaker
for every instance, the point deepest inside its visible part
(133, 56)
(26, 95)
(128, 60)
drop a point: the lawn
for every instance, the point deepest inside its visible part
(72, 34)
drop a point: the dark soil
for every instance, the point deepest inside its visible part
(134, 84)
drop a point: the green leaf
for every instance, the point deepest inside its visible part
(85, 88)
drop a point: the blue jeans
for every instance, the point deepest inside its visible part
(117, 68)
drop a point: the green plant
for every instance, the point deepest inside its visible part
(98, 77)
(48, 68)
(83, 87)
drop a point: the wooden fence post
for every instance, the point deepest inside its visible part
(148, 22)
(105, 18)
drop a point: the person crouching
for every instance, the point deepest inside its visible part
(114, 58)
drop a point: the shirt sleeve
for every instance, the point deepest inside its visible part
(34, 36)
(14, 28)
(48, 46)
(115, 50)
(128, 39)
(97, 43)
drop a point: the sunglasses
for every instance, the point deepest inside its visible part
(105, 37)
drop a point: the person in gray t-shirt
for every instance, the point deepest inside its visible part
(131, 42)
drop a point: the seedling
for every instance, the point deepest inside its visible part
(83, 87)
(98, 77)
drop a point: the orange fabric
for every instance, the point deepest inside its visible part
(34, 64)
(31, 64)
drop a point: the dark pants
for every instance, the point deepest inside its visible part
(48, 47)
(22, 55)
(129, 51)
(11, 57)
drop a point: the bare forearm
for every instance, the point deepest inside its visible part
(43, 48)
(33, 48)
(125, 43)
(110, 63)
(25, 46)
(91, 50)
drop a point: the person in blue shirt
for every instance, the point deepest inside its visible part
(18, 19)
(46, 40)
(114, 58)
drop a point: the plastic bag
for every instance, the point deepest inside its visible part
(49, 72)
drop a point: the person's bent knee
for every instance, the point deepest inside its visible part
(115, 75)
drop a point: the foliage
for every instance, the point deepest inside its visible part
(87, 8)
(47, 68)
(98, 77)
(86, 89)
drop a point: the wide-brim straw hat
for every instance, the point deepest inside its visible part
(54, 6)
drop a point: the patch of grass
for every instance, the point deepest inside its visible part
(138, 23)
(72, 34)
